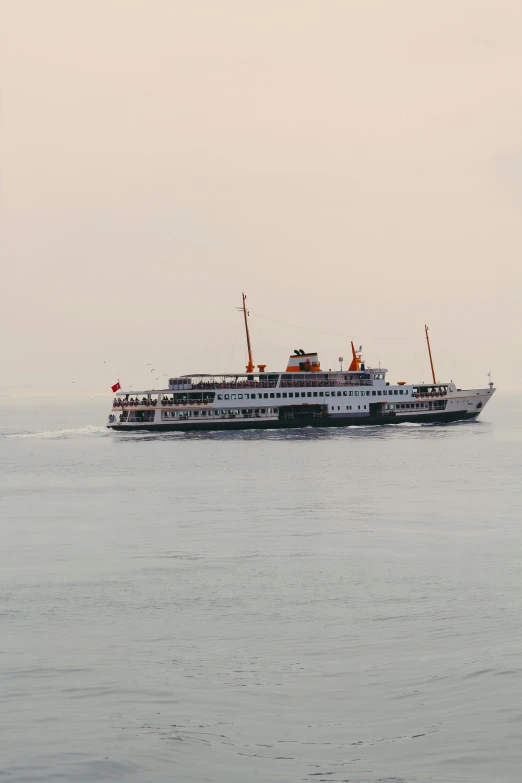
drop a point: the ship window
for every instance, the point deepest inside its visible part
(356, 394)
(345, 393)
(276, 410)
(263, 410)
(290, 394)
(265, 396)
(308, 394)
(395, 391)
(227, 396)
(240, 396)
(278, 394)
(401, 391)
(233, 396)
(272, 395)
(220, 396)
(327, 394)
(321, 394)
(285, 394)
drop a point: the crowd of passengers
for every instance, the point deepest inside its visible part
(284, 384)
(132, 402)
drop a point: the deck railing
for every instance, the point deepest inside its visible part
(315, 383)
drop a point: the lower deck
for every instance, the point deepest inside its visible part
(292, 420)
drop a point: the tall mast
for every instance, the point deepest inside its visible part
(250, 365)
(429, 351)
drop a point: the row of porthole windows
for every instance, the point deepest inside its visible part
(226, 412)
(431, 405)
(435, 405)
(285, 395)
(349, 407)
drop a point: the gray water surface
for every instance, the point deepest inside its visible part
(272, 606)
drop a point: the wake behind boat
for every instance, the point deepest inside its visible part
(303, 395)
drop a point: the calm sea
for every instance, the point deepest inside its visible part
(278, 606)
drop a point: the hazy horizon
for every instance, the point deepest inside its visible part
(354, 167)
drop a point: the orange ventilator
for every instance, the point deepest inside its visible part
(356, 360)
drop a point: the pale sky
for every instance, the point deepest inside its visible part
(355, 166)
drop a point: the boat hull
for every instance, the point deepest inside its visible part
(442, 417)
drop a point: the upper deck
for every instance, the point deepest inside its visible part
(367, 377)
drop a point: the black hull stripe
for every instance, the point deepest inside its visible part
(259, 424)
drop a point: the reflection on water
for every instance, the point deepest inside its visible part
(307, 433)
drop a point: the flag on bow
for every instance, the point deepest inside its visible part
(116, 387)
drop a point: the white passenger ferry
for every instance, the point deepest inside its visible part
(303, 395)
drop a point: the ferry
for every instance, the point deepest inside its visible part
(303, 395)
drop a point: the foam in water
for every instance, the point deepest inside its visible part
(66, 433)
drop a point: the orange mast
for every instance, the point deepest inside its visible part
(429, 351)
(250, 365)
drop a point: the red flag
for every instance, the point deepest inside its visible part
(116, 387)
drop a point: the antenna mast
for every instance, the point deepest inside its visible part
(429, 351)
(250, 365)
